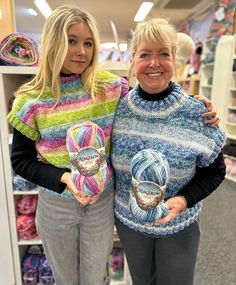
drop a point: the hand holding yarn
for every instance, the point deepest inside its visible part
(176, 206)
(150, 175)
(86, 145)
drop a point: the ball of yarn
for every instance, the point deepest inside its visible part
(27, 204)
(150, 165)
(150, 175)
(19, 49)
(21, 184)
(26, 228)
(147, 216)
(86, 146)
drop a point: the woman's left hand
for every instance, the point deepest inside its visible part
(212, 111)
(175, 205)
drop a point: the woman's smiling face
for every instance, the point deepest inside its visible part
(153, 66)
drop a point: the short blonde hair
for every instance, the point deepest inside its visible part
(54, 46)
(156, 29)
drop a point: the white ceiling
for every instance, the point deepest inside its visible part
(121, 12)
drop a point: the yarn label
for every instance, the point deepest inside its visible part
(147, 194)
(88, 160)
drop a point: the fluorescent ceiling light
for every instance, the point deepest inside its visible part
(43, 7)
(32, 12)
(143, 10)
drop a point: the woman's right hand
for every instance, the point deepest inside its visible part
(79, 195)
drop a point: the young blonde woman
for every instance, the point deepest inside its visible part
(158, 116)
(76, 230)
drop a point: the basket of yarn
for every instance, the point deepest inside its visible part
(150, 175)
(86, 146)
(18, 49)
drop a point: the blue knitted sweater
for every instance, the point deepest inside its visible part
(172, 126)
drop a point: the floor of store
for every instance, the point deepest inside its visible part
(217, 254)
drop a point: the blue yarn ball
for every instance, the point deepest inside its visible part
(150, 165)
(145, 216)
(146, 198)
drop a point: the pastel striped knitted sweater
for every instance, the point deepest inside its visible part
(172, 126)
(47, 125)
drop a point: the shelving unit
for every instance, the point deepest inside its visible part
(7, 275)
(230, 111)
(222, 76)
(10, 79)
(222, 92)
(14, 248)
(190, 84)
(207, 70)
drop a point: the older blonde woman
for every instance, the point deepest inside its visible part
(157, 114)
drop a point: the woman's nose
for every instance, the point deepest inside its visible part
(154, 62)
(80, 50)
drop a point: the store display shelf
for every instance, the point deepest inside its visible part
(232, 107)
(34, 191)
(231, 136)
(230, 124)
(206, 86)
(42, 284)
(192, 78)
(228, 177)
(10, 138)
(233, 89)
(115, 282)
(35, 241)
(18, 69)
(208, 65)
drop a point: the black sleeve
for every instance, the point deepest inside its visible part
(25, 163)
(205, 181)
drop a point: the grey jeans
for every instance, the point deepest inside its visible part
(77, 240)
(163, 260)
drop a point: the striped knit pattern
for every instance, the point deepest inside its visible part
(47, 124)
(172, 126)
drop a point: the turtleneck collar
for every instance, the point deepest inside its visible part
(159, 107)
(70, 81)
(157, 96)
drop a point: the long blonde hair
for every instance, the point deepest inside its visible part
(53, 50)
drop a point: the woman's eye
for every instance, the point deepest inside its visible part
(88, 44)
(72, 41)
(164, 54)
(143, 55)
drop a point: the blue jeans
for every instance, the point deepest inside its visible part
(77, 240)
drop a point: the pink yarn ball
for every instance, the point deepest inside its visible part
(86, 145)
(26, 228)
(27, 204)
